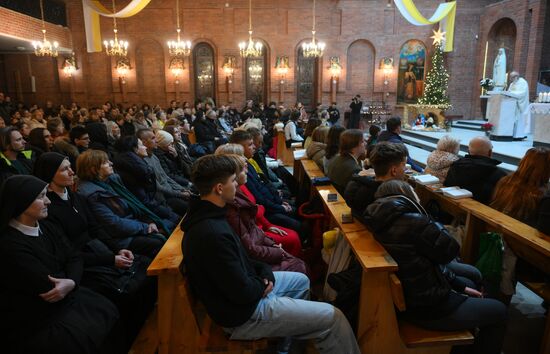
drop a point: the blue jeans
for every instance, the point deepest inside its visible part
(286, 312)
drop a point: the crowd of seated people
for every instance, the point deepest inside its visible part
(89, 197)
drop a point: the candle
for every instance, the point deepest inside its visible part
(485, 64)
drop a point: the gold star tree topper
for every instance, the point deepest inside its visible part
(438, 36)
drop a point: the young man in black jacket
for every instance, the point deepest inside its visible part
(240, 294)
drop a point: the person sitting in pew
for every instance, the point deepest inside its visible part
(521, 196)
(316, 151)
(243, 295)
(477, 171)
(333, 145)
(44, 310)
(241, 215)
(277, 210)
(348, 161)
(107, 266)
(422, 248)
(134, 226)
(441, 159)
(388, 161)
(287, 238)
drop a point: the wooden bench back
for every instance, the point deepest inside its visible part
(192, 137)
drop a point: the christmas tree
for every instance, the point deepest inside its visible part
(437, 80)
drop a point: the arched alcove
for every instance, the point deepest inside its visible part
(257, 75)
(501, 35)
(204, 71)
(307, 70)
(410, 77)
(150, 71)
(360, 68)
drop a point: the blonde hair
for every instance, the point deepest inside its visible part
(449, 144)
(226, 149)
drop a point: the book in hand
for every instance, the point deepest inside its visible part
(426, 179)
(456, 192)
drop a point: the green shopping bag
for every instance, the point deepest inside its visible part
(489, 261)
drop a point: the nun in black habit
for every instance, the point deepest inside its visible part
(111, 271)
(43, 308)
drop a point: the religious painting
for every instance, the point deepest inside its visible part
(410, 79)
(203, 63)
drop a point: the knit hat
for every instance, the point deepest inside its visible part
(16, 194)
(47, 164)
(164, 138)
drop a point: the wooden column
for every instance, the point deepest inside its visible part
(229, 87)
(333, 88)
(281, 88)
(122, 83)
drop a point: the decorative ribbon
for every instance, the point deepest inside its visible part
(93, 9)
(445, 14)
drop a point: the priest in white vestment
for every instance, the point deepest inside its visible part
(520, 89)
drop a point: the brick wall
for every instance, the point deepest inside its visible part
(359, 32)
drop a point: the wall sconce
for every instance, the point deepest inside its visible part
(229, 67)
(335, 68)
(177, 67)
(122, 68)
(386, 65)
(282, 66)
(69, 66)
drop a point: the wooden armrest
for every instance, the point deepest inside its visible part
(414, 336)
(169, 257)
(372, 256)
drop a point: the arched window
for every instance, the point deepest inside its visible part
(204, 70)
(306, 79)
(502, 35)
(412, 59)
(256, 83)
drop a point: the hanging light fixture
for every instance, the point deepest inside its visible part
(251, 49)
(179, 47)
(44, 48)
(313, 49)
(114, 47)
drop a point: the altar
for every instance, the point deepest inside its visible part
(539, 116)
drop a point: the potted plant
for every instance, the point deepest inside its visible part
(487, 128)
(486, 85)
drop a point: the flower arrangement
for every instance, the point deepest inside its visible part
(487, 127)
(487, 84)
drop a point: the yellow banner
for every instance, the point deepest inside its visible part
(93, 9)
(445, 14)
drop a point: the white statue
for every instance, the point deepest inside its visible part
(520, 89)
(499, 71)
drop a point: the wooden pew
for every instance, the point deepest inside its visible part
(379, 330)
(192, 137)
(183, 325)
(284, 153)
(526, 242)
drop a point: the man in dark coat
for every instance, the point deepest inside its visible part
(355, 116)
(477, 171)
(240, 294)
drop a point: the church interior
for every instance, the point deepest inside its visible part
(337, 98)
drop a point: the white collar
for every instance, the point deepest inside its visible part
(33, 231)
(64, 195)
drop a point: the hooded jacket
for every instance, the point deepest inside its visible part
(478, 174)
(359, 194)
(421, 248)
(439, 162)
(225, 280)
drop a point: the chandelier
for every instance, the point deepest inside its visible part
(114, 47)
(255, 71)
(179, 47)
(251, 49)
(313, 49)
(44, 48)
